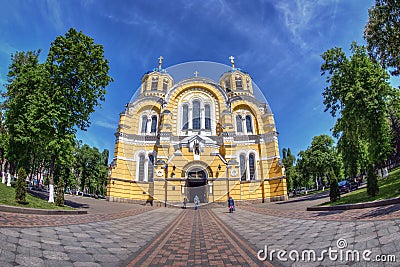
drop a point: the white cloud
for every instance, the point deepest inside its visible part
(300, 16)
(7, 48)
(296, 16)
(52, 11)
(105, 124)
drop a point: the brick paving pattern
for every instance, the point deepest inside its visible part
(389, 212)
(32, 220)
(101, 243)
(261, 229)
(197, 238)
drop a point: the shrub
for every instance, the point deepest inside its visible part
(20, 187)
(372, 182)
(60, 193)
(334, 193)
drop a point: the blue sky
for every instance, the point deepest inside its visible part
(278, 42)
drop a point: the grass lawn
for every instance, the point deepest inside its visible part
(388, 188)
(7, 197)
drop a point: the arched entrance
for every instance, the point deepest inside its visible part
(196, 184)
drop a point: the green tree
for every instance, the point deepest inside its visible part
(79, 76)
(24, 119)
(317, 161)
(47, 103)
(20, 187)
(103, 173)
(3, 139)
(90, 169)
(394, 114)
(288, 160)
(304, 173)
(382, 34)
(358, 92)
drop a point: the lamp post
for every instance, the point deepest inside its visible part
(166, 184)
(163, 104)
(227, 180)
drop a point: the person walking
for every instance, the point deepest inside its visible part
(196, 201)
(231, 204)
(185, 200)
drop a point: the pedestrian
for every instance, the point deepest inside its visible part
(231, 204)
(185, 200)
(196, 201)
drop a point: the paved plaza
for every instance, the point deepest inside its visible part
(116, 234)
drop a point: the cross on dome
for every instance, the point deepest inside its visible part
(160, 59)
(196, 73)
(232, 59)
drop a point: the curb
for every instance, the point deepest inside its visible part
(21, 210)
(364, 205)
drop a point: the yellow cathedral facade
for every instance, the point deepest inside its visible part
(196, 137)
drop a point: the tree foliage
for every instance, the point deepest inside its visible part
(317, 161)
(79, 74)
(46, 103)
(359, 93)
(90, 169)
(289, 160)
(382, 34)
(23, 106)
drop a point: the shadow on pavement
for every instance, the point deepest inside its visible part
(305, 198)
(378, 212)
(72, 204)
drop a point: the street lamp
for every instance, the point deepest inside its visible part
(165, 167)
(227, 179)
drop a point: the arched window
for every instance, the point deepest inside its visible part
(143, 128)
(207, 114)
(242, 161)
(150, 169)
(196, 115)
(144, 86)
(238, 81)
(185, 117)
(165, 84)
(239, 125)
(249, 125)
(154, 83)
(252, 167)
(228, 83)
(153, 128)
(141, 167)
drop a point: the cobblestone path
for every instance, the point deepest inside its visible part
(197, 238)
(210, 236)
(8, 219)
(390, 212)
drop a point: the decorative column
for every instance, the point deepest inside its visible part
(190, 116)
(202, 117)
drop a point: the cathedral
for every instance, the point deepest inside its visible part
(181, 137)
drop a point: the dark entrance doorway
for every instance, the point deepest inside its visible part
(196, 184)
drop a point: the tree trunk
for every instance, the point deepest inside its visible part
(51, 180)
(3, 173)
(9, 175)
(2, 160)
